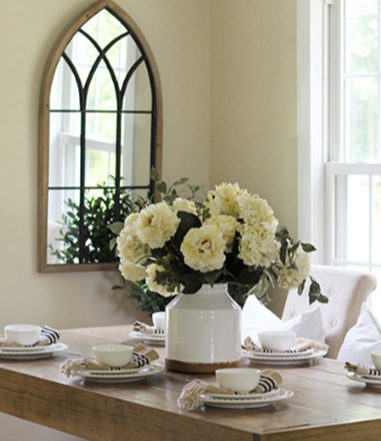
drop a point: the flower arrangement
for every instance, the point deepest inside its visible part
(232, 237)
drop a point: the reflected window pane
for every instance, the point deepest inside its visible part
(136, 150)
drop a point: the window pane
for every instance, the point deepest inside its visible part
(353, 228)
(361, 36)
(376, 221)
(139, 94)
(64, 93)
(101, 94)
(361, 119)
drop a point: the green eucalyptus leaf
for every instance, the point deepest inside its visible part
(116, 227)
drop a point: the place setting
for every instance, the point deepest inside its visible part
(150, 333)
(114, 363)
(368, 375)
(282, 348)
(235, 388)
(29, 342)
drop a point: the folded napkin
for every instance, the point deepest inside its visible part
(48, 337)
(190, 397)
(146, 329)
(362, 369)
(141, 357)
(301, 344)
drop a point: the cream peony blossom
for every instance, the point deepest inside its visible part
(256, 211)
(292, 278)
(129, 246)
(226, 197)
(156, 224)
(258, 247)
(152, 270)
(181, 204)
(203, 248)
(132, 272)
(228, 226)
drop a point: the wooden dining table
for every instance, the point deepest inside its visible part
(326, 405)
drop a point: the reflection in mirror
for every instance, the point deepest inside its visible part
(100, 127)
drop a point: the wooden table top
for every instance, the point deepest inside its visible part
(326, 404)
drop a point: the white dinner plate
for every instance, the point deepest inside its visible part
(372, 382)
(240, 397)
(121, 377)
(291, 359)
(261, 400)
(155, 338)
(278, 355)
(33, 354)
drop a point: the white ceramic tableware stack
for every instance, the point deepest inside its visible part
(23, 334)
(376, 359)
(113, 355)
(242, 380)
(277, 340)
(158, 319)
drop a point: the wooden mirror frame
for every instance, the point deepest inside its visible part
(43, 165)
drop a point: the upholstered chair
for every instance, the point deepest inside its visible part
(346, 289)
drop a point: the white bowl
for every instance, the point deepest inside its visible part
(376, 358)
(113, 355)
(23, 334)
(158, 319)
(277, 340)
(241, 380)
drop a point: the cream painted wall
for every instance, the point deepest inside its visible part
(178, 33)
(228, 70)
(253, 100)
(253, 103)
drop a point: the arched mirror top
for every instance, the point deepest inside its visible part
(100, 135)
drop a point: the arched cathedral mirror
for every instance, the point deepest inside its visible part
(100, 135)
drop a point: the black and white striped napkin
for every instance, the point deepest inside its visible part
(146, 329)
(362, 369)
(48, 337)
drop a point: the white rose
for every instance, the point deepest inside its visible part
(226, 198)
(181, 204)
(130, 247)
(156, 224)
(132, 272)
(152, 271)
(203, 248)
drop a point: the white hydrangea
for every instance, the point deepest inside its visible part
(258, 247)
(156, 224)
(180, 204)
(256, 211)
(203, 248)
(228, 226)
(292, 278)
(132, 272)
(152, 270)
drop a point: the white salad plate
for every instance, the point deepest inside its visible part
(125, 376)
(31, 353)
(289, 359)
(156, 338)
(373, 382)
(248, 402)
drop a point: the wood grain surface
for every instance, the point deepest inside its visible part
(326, 404)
